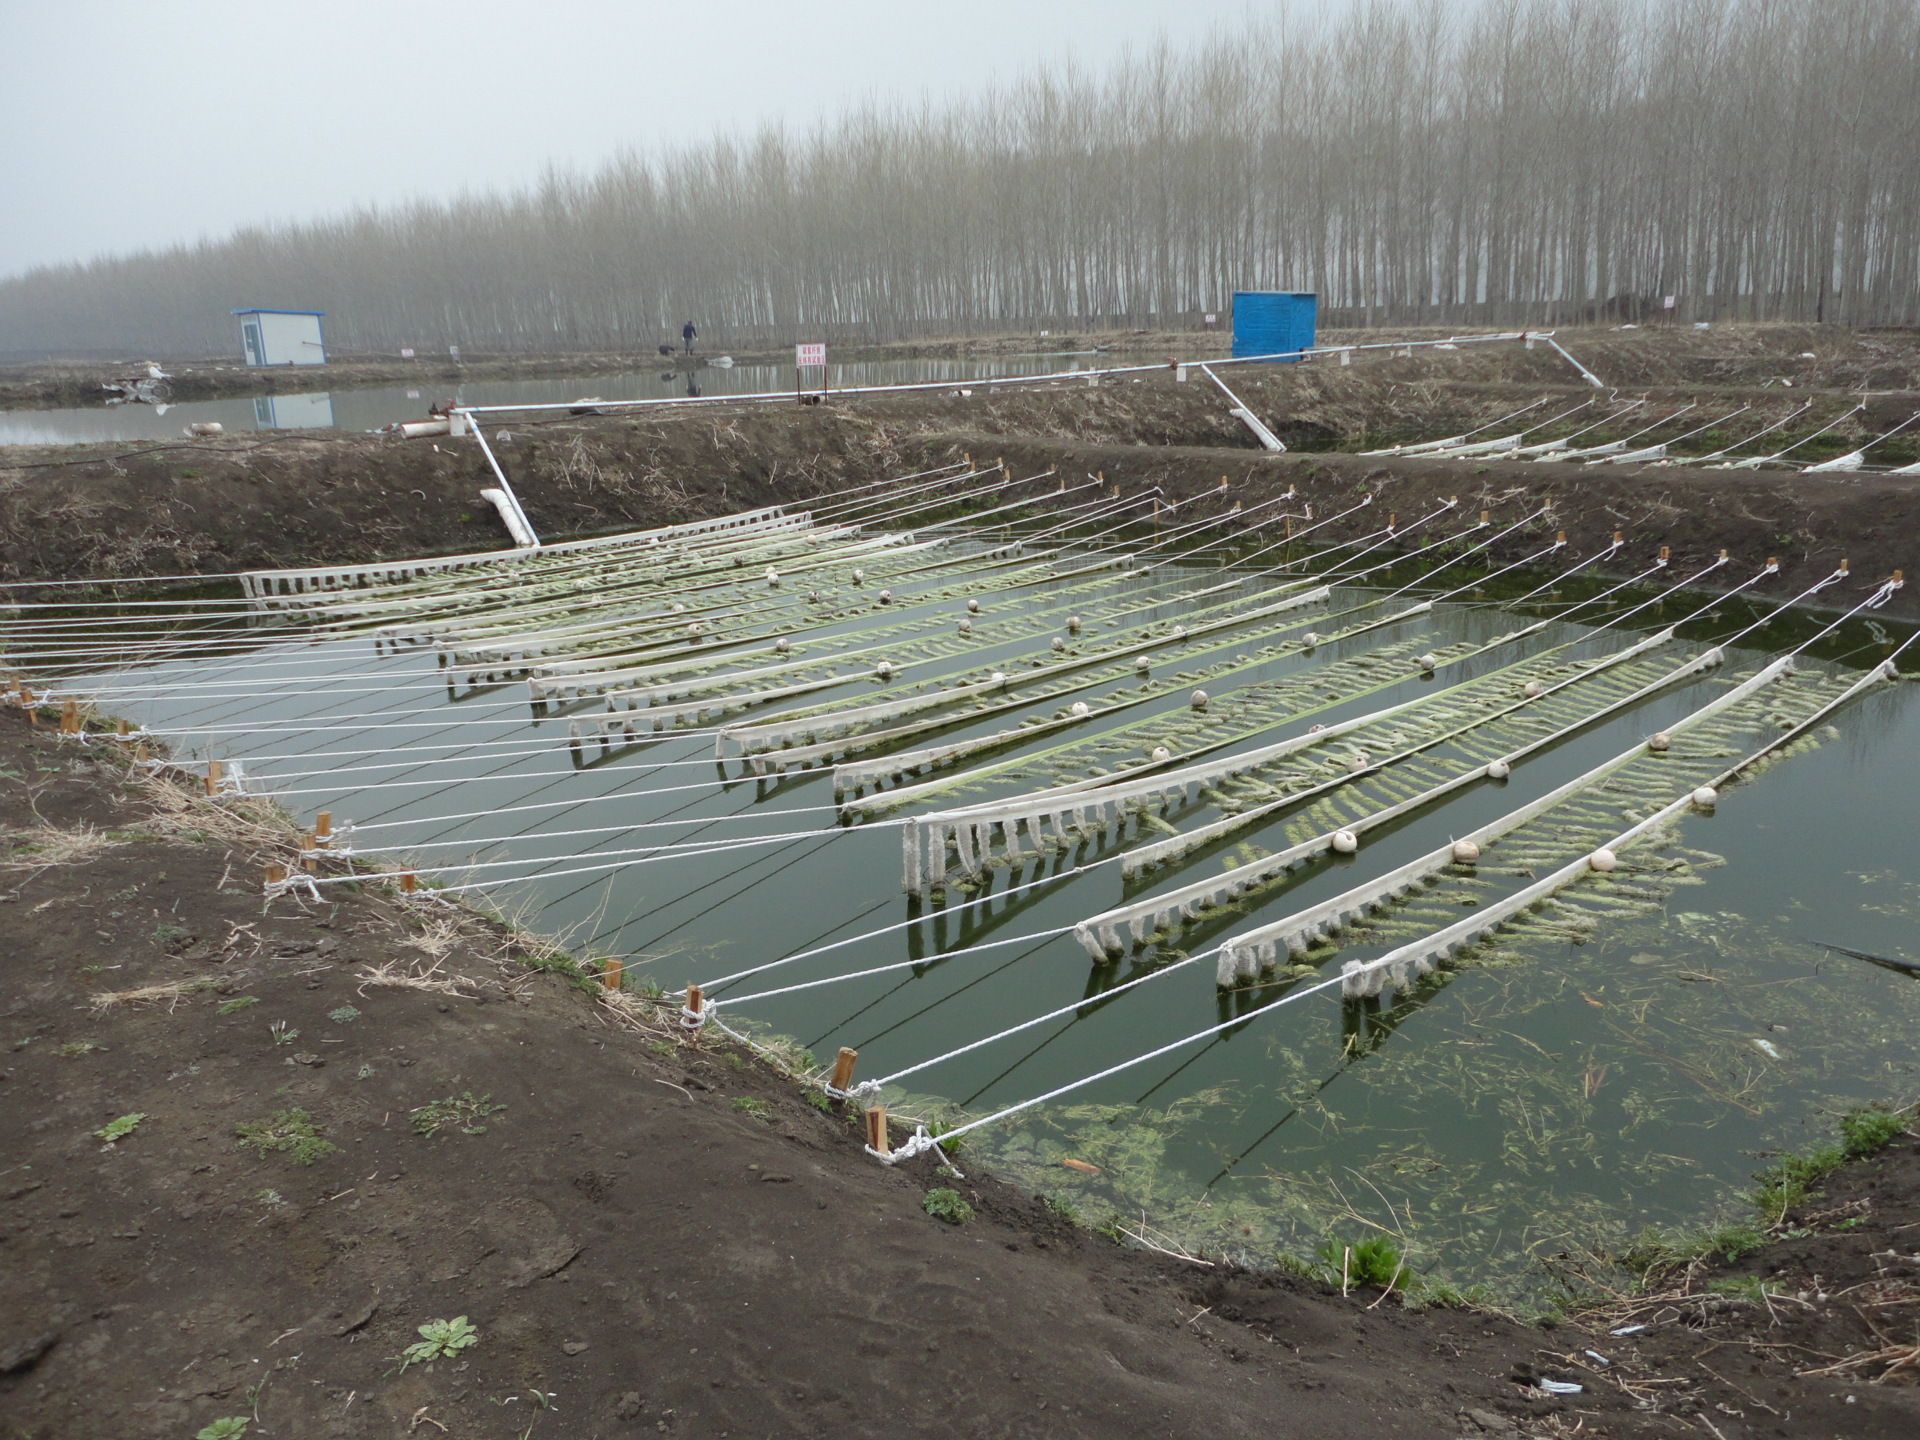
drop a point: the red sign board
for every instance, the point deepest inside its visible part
(805, 355)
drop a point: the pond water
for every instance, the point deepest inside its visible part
(1617, 1063)
(371, 407)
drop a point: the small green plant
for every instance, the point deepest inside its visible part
(759, 1109)
(272, 1199)
(226, 1428)
(937, 1128)
(73, 1049)
(283, 1033)
(164, 934)
(237, 1004)
(363, 1072)
(119, 1129)
(944, 1204)
(439, 1339)
(1062, 1207)
(461, 1111)
(345, 1015)
(1445, 1295)
(817, 1101)
(1868, 1131)
(289, 1132)
(1371, 1262)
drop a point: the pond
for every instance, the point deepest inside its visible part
(1619, 1061)
(370, 407)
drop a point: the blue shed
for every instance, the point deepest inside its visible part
(1272, 322)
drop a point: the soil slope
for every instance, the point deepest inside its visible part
(655, 1233)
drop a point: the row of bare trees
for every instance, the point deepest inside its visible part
(1518, 162)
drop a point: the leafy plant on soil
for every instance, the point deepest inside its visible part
(234, 1006)
(119, 1129)
(463, 1111)
(1372, 1262)
(346, 1014)
(944, 1204)
(759, 1109)
(73, 1049)
(283, 1033)
(440, 1338)
(288, 1132)
(225, 1428)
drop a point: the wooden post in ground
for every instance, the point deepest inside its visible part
(877, 1129)
(213, 777)
(323, 828)
(843, 1068)
(611, 972)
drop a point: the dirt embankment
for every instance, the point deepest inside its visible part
(214, 506)
(245, 1157)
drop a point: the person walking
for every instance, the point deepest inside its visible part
(687, 332)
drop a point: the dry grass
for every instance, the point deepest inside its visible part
(42, 848)
(172, 993)
(414, 975)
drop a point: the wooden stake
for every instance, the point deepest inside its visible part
(1223, 484)
(1486, 517)
(121, 730)
(1618, 538)
(611, 972)
(213, 776)
(323, 828)
(1843, 567)
(307, 861)
(1560, 536)
(695, 999)
(877, 1129)
(843, 1068)
(1666, 552)
(70, 718)
(276, 873)
(407, 883)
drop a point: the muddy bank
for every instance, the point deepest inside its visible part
(214, 506)
(340, 1123)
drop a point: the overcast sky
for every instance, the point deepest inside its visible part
(130, 125)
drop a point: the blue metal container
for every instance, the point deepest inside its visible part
(1272, 322)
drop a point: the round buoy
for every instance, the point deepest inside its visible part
(1706, 797)
(886, 597)
(678, 608)
(1161, 754)
(1079, 708)
(973, 607)
(884, 669)
(1602, 860)
(999, 677)
(1073, 622)
(1465, 852)
(966, 626)
(695, 628)
(1179, 632)
(1345, 842)
(1058, 645)
(1531, 690)
(1198, 700)
(1356, 763)
(773, 576)
(813, 597)
(1499, 770)
(780, 646)
(1310, 639)
(1315, 729)
(859, 576)
(1659, 740)
(1427, 662)
(1142, 664)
